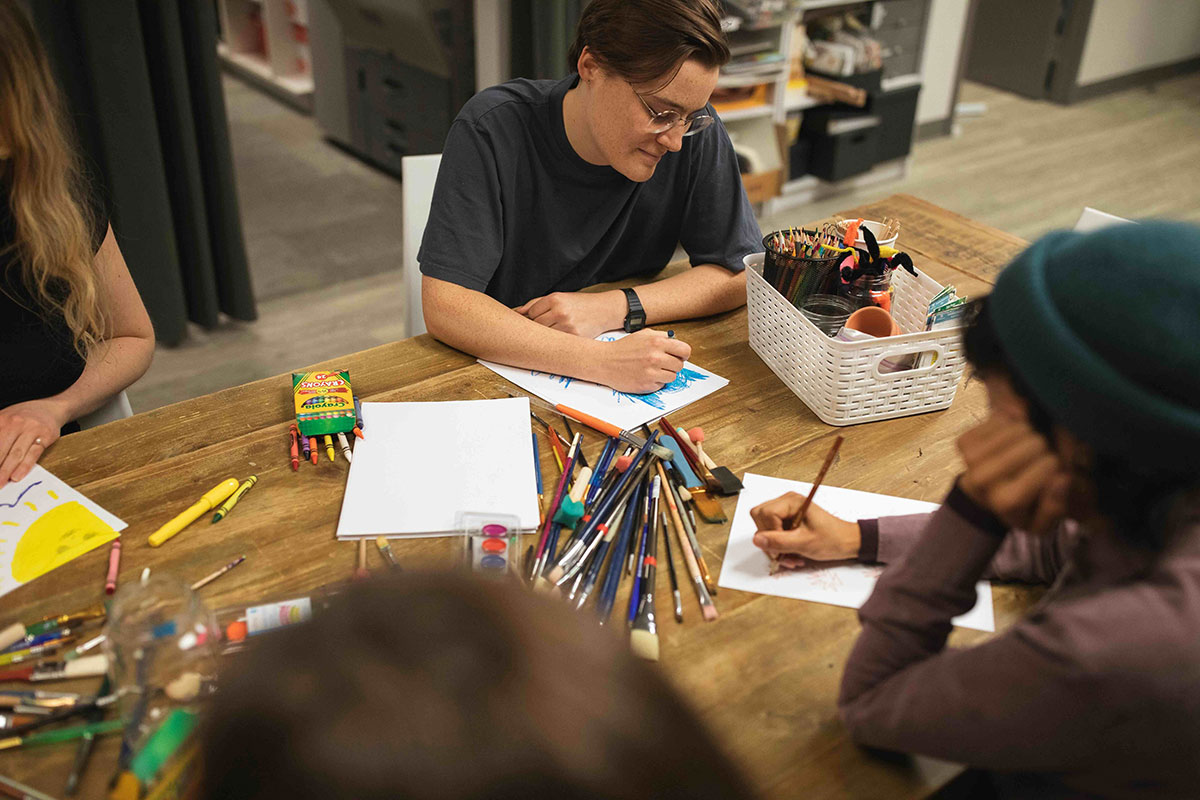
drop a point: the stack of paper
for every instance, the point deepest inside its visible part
(421, 464)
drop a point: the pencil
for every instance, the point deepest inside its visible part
(799, 518)
(559, 457)
(207, 579)
(537, 474)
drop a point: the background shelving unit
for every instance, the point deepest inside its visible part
(770, 39)
(266, 43)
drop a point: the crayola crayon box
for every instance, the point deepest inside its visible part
(324, 402)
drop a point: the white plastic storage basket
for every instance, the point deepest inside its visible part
(841, 381)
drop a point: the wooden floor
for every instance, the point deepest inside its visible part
(314, 214)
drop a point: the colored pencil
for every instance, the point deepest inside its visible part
(207, 579)
(537, 474)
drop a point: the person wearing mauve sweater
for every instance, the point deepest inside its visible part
(1085, 475)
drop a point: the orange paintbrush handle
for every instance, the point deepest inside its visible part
(596, 424)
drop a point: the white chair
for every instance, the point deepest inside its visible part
(418, 175)
(116, 408)
(1093, 220)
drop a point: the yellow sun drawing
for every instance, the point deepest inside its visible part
(52, 535)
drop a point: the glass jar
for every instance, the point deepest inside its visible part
(828, 312)
(870, 290)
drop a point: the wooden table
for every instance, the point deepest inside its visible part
(764, 675)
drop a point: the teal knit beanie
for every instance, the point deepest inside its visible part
(1104, 329)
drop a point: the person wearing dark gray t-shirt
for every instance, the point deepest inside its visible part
(548, 187)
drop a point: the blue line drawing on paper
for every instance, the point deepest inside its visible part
(24, 492)
(685, 378)
(562, 380)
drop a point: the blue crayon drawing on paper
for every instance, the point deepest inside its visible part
(623, 409)
(685, 378)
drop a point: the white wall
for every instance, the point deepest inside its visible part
(1127, 36)
(944, 33)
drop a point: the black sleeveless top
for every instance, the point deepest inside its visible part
(37, 354)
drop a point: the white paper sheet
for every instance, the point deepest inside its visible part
(747, 569)
(420, 464)
(44, 523)
(626, 411)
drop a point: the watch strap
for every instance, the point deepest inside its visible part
(635, 319)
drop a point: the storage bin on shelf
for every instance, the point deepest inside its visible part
(841, 381)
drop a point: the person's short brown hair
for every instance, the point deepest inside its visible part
(422, 686)
(641, 40)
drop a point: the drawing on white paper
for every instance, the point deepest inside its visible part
(44, 523)
(747, 568)
(623, 409)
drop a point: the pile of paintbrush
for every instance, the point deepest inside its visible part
(613, 517)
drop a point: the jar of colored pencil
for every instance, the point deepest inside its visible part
(801, 263)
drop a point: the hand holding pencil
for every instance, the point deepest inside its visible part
(794, 520)
(820, 536)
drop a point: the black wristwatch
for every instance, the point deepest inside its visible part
(635, 320)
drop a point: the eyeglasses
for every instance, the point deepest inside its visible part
(663, 121)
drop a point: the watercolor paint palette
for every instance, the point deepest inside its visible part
(491, 543)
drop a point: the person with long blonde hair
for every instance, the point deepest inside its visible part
(73, 330)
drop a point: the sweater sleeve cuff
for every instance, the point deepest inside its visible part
(868, 548)
(975, 514)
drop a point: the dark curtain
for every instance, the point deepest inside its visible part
(142, 85)
(541, 37)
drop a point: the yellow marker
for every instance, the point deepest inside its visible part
(228, 505)
(211, 498)
(329, 446)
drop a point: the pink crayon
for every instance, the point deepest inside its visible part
(114, 562)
